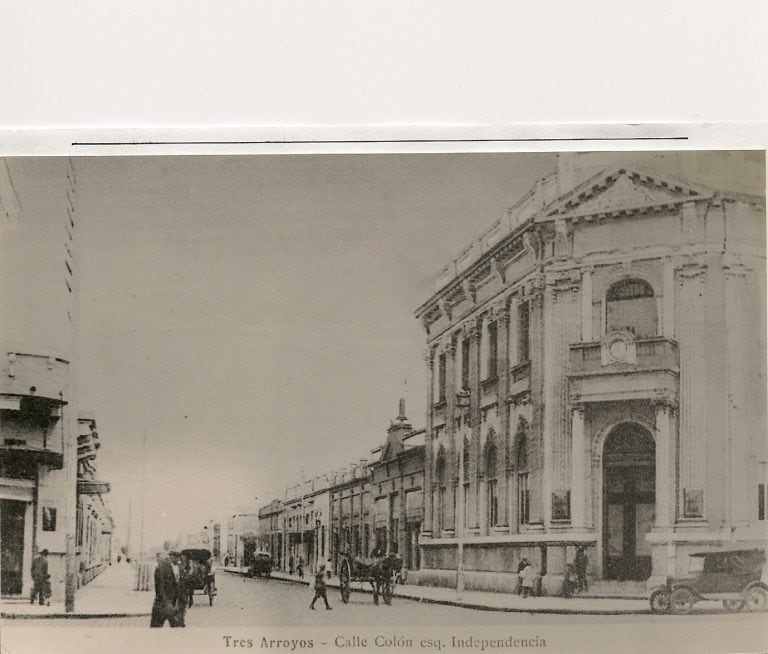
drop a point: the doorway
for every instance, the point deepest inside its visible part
(629, 502)
(11, 546)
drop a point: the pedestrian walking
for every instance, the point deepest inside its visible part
(167, 591)
(528, 577)
(520, 568)
(290, 565)
(569, 581)
(40, 578)
(300, 568)
(320, 590)
(580, 563)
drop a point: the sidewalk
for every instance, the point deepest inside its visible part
(110, 595)
(488, 601)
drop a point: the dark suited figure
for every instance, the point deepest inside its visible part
(580, 564)
(39, 577)
(168, 592)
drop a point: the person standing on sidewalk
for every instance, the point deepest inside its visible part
(528, 576)
(300, 568)
(167, 591)
(520, 568)
(39, 577)
(580, 564)
(320, 591)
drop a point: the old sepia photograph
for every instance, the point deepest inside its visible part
(386, 402)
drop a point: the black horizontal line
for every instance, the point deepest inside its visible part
(359, 141)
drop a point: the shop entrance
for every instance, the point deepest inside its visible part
(11, 546)
(629, 502)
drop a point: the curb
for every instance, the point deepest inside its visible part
(480, 607)
(70, 616)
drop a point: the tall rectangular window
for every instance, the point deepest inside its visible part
(466, 504)
(493, 349)
(523, 335)
(761, 501)
(441, 378)
(493, 504)
(523, 499)
(440, 505)
(465, 364)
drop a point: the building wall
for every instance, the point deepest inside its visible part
(38, 273)
(697, 388)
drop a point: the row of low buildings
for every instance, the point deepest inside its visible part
(50, 494)
(597, 378)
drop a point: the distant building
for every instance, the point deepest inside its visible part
(242, 534)
(305, 514)
(270, 531)
(38, 399)
(350, 512)
(597, 377)
(397, 488)
(94, 525)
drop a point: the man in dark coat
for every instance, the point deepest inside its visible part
(580, 564)
(39, 576)
(168, 592)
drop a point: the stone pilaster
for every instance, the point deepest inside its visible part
(586, 305)
(503, 409)
(668, 300)
(450, 428)
(474, 414)
(536, 457)
(578, 468)
(665, 466)
(429, 457)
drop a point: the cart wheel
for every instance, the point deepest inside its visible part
(387, 592)
(733, 606)
(756, 599)
(682, 601)
(345, 580)
(211, 593)
(659, 600)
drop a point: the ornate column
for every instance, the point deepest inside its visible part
(665, 468)
(474, 415)
(484, 350)
(450, 428)
(586, 305)
(578, 471)
(668, 300)
(503, 409)
(429, 457)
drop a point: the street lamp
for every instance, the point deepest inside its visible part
(460, 529)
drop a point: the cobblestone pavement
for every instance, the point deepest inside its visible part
(245, 602)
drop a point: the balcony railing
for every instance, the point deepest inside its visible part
(18, 456)
(658, 352)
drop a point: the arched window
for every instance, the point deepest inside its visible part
(630, 304)
(490, 472)
(440, 476)
(521, 468)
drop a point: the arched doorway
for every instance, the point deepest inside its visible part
(629, 502)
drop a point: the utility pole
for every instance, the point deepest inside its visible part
(70, 510)
(460, 529)
(143, 492)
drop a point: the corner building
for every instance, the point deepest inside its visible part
(597, 367)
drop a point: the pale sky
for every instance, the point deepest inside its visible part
(255, 315)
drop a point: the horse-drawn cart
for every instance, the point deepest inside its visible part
(199, 575)
(380, 572)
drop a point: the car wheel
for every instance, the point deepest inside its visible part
(682, 601)
(733, 606)
(756, 599)
(659, 600)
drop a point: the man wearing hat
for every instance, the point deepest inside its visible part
(39, 576)
(168, 593)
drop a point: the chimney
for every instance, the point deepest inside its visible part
(564, 172)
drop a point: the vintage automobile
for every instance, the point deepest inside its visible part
(261, 564)
(735, 577)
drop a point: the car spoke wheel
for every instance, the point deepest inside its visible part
(733, 606)
(682, 601)
(756, 599)
(660, 600)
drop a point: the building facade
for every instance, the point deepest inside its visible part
(242, 533)
(597, 378)
(397, 481)
(94, 525)
(305, 516)
(270, 531)
(351, 514)
(38, 399)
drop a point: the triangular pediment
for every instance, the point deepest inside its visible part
(622, 190)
